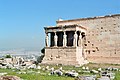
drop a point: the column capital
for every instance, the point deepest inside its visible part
(54, 31)
(75, 32)
(80, 36)
(46, 33)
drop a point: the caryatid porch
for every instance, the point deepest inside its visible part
(64, 45)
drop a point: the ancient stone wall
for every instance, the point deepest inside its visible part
(63, 55)
(103, 38)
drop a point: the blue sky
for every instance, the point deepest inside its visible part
(22, 21)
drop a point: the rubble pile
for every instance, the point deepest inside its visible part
(20, 66)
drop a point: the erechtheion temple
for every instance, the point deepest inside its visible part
(78, 41)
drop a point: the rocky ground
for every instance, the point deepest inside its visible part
(10, 68)
(9, 78)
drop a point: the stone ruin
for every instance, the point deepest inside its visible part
(79, 41)
(66, 45)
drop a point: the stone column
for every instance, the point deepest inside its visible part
(46, 40)
(80, 40)
(55, 40)
(64, 39)
(75, 39)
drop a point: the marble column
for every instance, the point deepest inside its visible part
(47, 40)
(75, 39)
(55, 40)
(64, 39)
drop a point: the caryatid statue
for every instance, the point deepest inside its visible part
(75, 39)
(55, 39)
(80, 40)
(46, 39)
(64, 39)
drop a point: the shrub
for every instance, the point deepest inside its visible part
(8, 56)
(43, 50)
(40, 58)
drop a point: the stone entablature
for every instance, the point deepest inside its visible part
(74, 27)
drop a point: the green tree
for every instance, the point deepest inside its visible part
(43, 50)
(40, 58)
(8, 56)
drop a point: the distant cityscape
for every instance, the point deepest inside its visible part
(26, 53)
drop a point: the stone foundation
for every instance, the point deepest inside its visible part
(63, 55)
(110, 60)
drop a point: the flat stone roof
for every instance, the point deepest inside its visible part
(96, 17)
